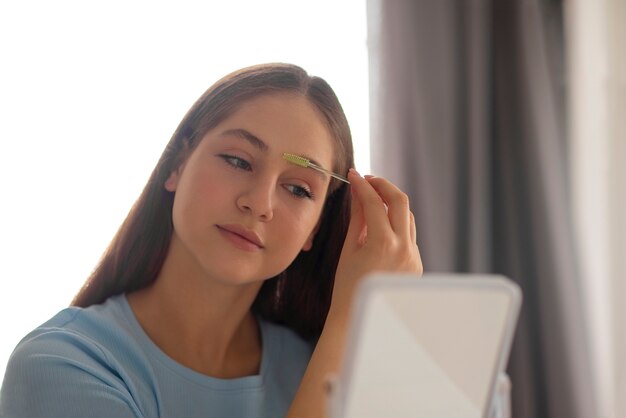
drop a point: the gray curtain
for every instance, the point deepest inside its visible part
(468, 116)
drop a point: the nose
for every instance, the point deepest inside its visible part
(257, 199)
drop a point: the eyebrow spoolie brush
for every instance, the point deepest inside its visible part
(306, 163)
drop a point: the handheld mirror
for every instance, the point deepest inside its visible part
(429, 347)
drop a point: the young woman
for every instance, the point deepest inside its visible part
(227, 290)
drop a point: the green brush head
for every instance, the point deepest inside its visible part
(296, 159)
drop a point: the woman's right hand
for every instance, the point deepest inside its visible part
(381, 237)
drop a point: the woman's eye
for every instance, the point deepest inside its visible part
(236, 162)
(299, 191)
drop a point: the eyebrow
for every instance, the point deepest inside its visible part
(248, 136)
(257, 142)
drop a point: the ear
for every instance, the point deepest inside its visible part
(172, 181)
(308, 244)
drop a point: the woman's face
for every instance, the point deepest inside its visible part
(241, 212)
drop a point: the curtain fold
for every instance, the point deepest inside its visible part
(467, 116)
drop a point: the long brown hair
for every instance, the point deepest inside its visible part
(300, 296)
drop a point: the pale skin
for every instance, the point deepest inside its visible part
(198, 309)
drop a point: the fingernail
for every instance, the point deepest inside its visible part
(353, 170)
(369, 176)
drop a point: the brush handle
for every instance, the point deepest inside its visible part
(330, 173)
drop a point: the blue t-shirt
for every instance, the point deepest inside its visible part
(98, 362)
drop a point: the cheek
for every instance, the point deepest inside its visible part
(210, 182)
(198, 195)
(301, 223)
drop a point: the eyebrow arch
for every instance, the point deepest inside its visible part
(248, 136)
(256, 141)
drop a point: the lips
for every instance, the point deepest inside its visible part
(241, 236)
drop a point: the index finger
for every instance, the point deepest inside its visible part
(372, 205)
(397, 203)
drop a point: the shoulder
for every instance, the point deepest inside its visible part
(287, 357)
(67, 361)
(71, 331)
(286, 342)
(90, 332)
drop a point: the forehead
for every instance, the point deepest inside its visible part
(285, 122)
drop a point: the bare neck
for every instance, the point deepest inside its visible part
(202, 324)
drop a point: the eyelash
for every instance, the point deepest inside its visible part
(299, 192)
(236, 162)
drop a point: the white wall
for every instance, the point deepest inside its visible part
(90, 92)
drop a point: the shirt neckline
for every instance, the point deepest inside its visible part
(244, 382)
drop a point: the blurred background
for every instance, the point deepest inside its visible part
(504, 120)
